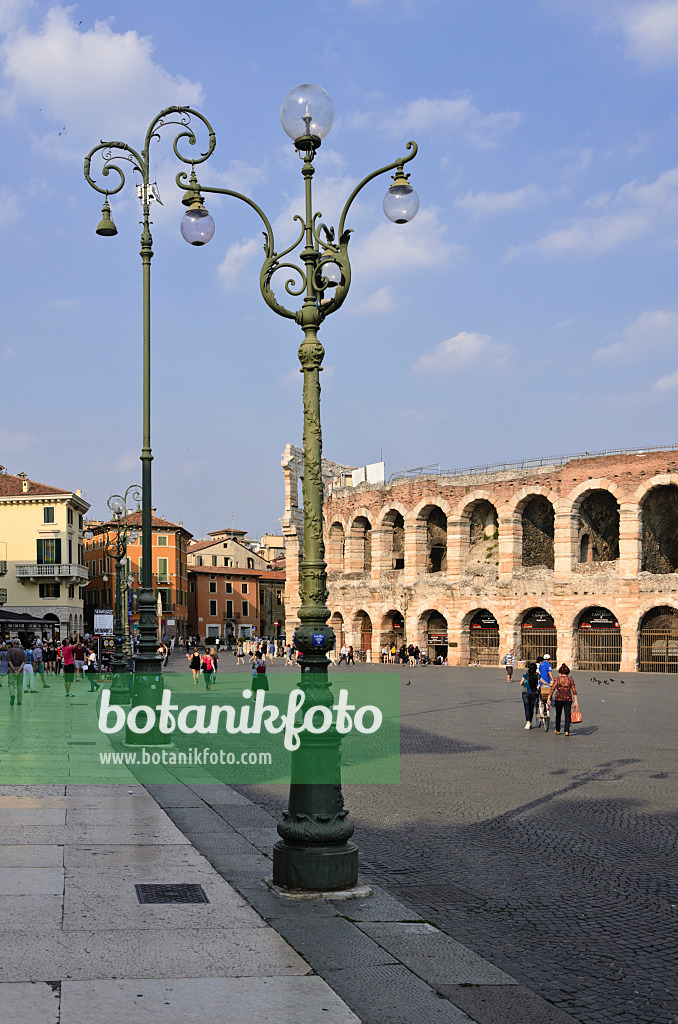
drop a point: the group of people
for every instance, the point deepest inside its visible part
(208, 664)
(558, 687)
(21, 665)
(410, 655)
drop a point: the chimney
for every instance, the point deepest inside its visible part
(78, 492)
(25, 482)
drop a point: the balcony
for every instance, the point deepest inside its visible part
(3, 595)
(66, 573)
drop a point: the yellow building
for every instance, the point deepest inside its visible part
(41, 557)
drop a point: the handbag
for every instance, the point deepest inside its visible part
(576, 715)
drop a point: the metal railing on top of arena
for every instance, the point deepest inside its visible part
(499, 467)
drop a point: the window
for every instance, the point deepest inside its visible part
(48, 514)
(80, 593)
(49, 551)
(278, 597)
(70, 551)
(229, 609)
(101, 567)
(81, 557)
(71, 591)
(108, 564)
(229, 588)
(163, 570)
(250, 563)
(199, 560)
(49, 590)
(213, 608)
(162, 541)
(80, 522)
(244, 588)
(245, 609)
(227, 562)
(213, 586)
(214, 559)
(191, 586)
(69, 512)
(262, 596)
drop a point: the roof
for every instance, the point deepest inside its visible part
(12, 486)
(275, 576)
(225, 570)
(228, 530)
(198, 545)
(134, 519)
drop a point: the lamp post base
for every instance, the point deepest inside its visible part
(322, 868)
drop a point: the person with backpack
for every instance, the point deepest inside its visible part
(508, 661)
(259, 680)
(29, 675)
(564, 692)
(207, 669)
(15, 674)
(530, 692)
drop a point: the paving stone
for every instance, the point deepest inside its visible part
(390, 994)
(288, 1000)
(332, 942)
(174, 796)
(196, 819)
(247, 815)
(496, 1004)
(29, 913)
(30, 1003)
(31, 881)
(380, 906)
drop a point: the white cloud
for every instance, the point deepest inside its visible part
(653, 329)
(237, 261)
(483, 203)
(9, 207)
(462, 350)
(667, 383)
(93, 83)
(11, 12)
(650, 32)
(400, 248)
(381, 301)
(635, 210)
(458, 114)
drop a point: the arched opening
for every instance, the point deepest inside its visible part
(362, 532)
(336, 548)
(392, 629)
(483, 532)
(436, 540)
(434, 627)
(538, 521)
(337, 624)
(600, 642)
(585, 548)
(362, 629)
(660, 529)
(538, 636)
(484, 638)
(658, 648)
(599, 526)
(394, 521)
(53, 621)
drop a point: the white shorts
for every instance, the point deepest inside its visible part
(80, 665)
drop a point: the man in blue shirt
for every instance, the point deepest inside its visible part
(545, 670)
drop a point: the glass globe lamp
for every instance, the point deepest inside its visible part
(134, 536)
(197, 225)
(401, 202)
(307, 112)
(332, 272)
(117, 505)
(88, 534)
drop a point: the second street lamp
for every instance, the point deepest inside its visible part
(315, 851)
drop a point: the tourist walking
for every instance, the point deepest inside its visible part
(194, 665)
(509, 661)
(240, 655)
(288, 655)
(545, 670)
(79, 655)
(68, 659)
(563, 693)
(4, 666)
(259, 680)
(39, 666)
(343, 654)
(214, 654)
(29, 675)
(530, 691)
(15, 675)
(207, 669)
(349, 656)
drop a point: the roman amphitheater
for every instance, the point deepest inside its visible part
(576, 557)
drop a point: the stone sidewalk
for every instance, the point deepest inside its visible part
(81, 949)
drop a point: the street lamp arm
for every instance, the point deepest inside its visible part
(161, 120)
(107, 149)
(397, 165)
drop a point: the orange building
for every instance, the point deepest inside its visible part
(170, 578)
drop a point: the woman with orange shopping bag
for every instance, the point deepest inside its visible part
(563, 694)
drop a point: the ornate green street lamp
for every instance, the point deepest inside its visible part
(315, 851)
(147, 664)
(116, 547)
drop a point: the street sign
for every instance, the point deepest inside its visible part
(103, 621)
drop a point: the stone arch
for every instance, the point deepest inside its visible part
(658, 639)
(599, 516)
(392, 628)
(537, 520)
(538, 634)
(362, 632)
(336, 622)
(360, 542)
(479, 530)
(432, 627)
(336, 547)
(392, 523)
(659, 518)
(480, 637)
(599, 639)
(431, 517)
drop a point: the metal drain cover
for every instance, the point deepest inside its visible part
(180, 893)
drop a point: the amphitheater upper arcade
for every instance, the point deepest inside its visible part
(595, 532)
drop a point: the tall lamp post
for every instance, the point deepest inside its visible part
(315, 851)
(116, 547)
(147, 665)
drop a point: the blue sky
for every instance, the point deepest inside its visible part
(530, 309)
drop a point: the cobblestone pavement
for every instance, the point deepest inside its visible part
(533, 848)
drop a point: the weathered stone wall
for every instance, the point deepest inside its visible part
(485, 569)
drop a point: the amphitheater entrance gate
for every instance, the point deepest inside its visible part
(658, 648)
(538, 636)
(484, 638)
(600, 642)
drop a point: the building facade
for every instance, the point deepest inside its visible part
(223, 602)
(575, 557)
(226, 549)
(41, 553)
(170, 572)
